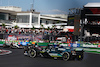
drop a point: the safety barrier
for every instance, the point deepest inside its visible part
(24, 43)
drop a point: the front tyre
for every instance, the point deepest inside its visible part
(32, 53)
(66, 56)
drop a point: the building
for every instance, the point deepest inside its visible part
(28, 19)
(11, 8)
(7, 16)
(64, 16)
(74, 21)
(90, 21)
(12, 16)
(51, 20)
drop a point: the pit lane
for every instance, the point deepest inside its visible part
(17, 59)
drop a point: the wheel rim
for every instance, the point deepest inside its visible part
(79, 56)
(32, 53)
(66, 56)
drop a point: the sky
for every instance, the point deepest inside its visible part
(47, 6)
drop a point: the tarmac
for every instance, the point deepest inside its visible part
(17, 59)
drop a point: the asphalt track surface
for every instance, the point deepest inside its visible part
(17, 59)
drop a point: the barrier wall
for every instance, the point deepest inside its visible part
(24, 43)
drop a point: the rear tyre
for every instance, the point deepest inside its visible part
(11, 45)
(4, 45)
(66, 56)
(32, 53)
(79, 57)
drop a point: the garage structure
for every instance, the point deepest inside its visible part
(90, 22)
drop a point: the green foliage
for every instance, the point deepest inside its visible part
(33, 28)
(42, 26)
(48, 28)
(16, 27)
(58, 21)
(3, 25)
(53, 26)
(62, 26)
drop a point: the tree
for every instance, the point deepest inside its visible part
(53, 26)
(42, 26)
(48, 28)
(3, 25)
(16, 27)
(33, 28)
(58, 21)
(61, 26)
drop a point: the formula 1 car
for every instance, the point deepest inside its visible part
(11, 45)
(55, 51)
(14, 44)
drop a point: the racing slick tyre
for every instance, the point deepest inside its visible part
(79, 57)
(66, 56)
(11, 45)
(32, 53)
(4, 45)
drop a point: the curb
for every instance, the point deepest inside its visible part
(92, 50)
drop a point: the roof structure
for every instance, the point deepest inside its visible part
(92, 5)
(15, 13)
(52, 18)
(8, 11)
(28, 12)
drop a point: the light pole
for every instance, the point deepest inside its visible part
(32, 5)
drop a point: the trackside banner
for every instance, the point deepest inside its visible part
(88, 45)
(24, 43)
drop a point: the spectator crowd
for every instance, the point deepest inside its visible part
(29, 31)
